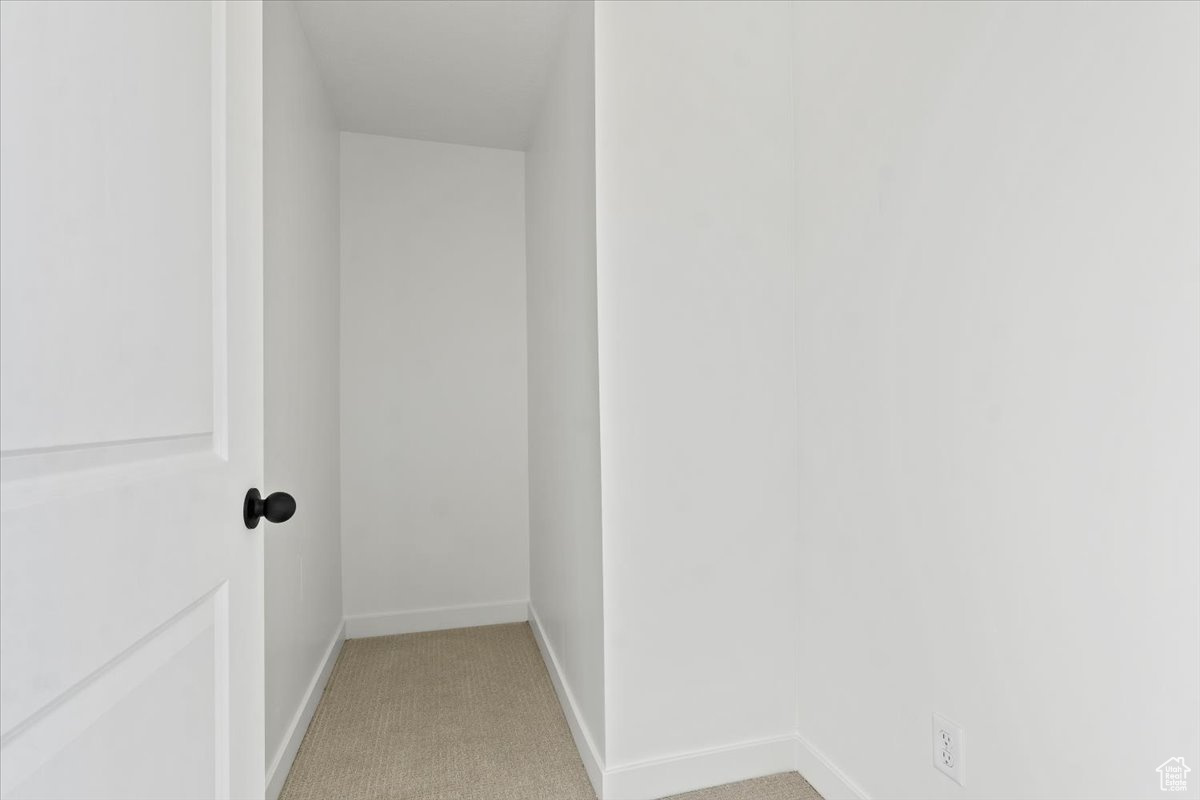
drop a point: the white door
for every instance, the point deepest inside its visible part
(131, 608)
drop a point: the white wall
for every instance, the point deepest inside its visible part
(696, 293)
(564, 418)
(435, 503)
(303, 556)
(1000, 392)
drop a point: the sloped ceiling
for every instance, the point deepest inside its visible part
(461, 71)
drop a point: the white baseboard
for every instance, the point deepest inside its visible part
(829, 781)
(390, 623)
(592, 762)
(277, 772)
(647, 780)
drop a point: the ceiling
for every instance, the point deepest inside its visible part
(461, 71)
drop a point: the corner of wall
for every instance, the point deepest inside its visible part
(281, 762)
(824, 776)
(593, 762)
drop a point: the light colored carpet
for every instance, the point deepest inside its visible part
(784, 786)
(467, 714)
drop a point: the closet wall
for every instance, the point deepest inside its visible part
(301, 443)
(565, 552)
(435, 497)
(696, 299)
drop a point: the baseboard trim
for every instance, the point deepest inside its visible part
(647, 780)
(592, 762)
(281, 764)
(390, 623)
(829, 781)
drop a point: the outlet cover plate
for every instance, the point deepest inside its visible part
(948, 749)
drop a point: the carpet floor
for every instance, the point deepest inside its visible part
(784, 786)
(466, 714)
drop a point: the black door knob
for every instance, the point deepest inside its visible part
(277, 507)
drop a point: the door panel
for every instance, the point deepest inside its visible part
(160, 692)
(88, 194)
(131, 361)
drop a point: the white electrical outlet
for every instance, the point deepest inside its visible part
(948, 748)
